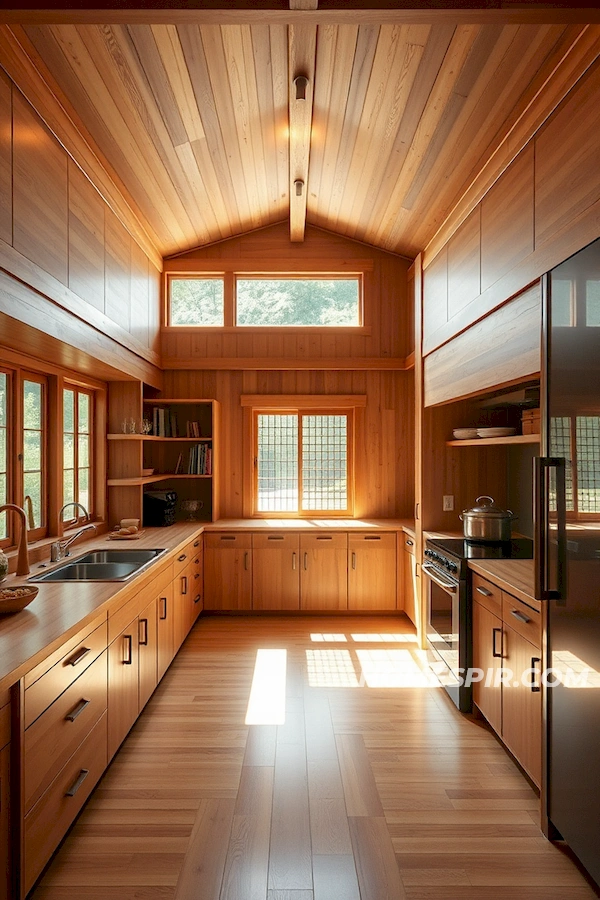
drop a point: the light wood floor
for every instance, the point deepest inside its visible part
(365, 793)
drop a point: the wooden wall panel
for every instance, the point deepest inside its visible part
(435, 289)
(86, 239)
(5, 159)
(507, 220)
(567, 155)
(140, 295)
(464, 264)
(501, 349)
(388, 312)
(117, 271)
(384, 446)
(40, 207)
(154, 307)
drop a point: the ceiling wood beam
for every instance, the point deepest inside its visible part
(272, 12)
(302, 50)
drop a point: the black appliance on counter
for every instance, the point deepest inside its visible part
(449, 616)
(159, 508)
(567, 520)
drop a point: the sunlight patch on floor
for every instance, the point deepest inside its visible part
(329, 638)
(384, 638)
(330, 668)
(266, 705)
(394, 669)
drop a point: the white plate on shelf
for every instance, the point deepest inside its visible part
(464, 434)
(496, 432)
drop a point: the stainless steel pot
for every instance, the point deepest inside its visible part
(486, 521)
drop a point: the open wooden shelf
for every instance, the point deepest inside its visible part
(155, 437)
(497, 441)
(149, 479)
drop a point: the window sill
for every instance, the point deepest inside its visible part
(40, 549)
(358, 330)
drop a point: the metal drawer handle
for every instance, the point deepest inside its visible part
(246, 560)
(294, 561)
(228, 537)
(127, 650)
(184, 584)
(78, 656)
(197, 575)
(181, 558)
(143, 640)
(535, 688)
(163, 608)
(197, 599)
(372, 537)
(521, 617)
(495, 653)
(353, 559)
(83, 774)
(324, 537)
(275, 537)
(305, 561)
(77, 710)
(409, 543)
(196, 543)
(483, 591)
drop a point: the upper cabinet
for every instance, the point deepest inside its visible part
(5, 159)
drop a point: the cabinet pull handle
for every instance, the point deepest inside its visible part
(324, 537)
(143, 640)
(181, 558)
(305, 561)
(495, 653)
(521, 617)
(294, 561)
(228, 537)
(246, 560)
(275, 537)
(353, 559)
(410, 543)
(77, 710)
(196, 543)
(78, 656)
(197, 575)
(535, 688)
(372, 537)
(163, 608)
(127, 650)
(197, 562)
(197, 599)
(484, 592)
(83, 774)
(184, 584)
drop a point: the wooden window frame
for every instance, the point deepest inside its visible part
(78, 389)
(300, 404)
(34, 534)
(9, 540)
(197, 276)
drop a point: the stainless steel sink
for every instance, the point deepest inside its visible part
(102, 565)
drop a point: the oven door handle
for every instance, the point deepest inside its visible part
(447, 585)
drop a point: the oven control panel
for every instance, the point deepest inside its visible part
(442, 561)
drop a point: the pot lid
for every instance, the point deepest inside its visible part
(485, 507)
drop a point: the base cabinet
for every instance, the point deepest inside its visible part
(522, 704)
(165, 627)
(408, 563)
(228, 571)
(4, 823)
(123, 686)
(323, 571)
(147, 640)
(487, 656)
(275, 572)
(371, 571)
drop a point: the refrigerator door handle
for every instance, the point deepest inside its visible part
(542, 589)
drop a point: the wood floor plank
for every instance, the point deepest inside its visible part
(335, 876)
(360, 789)
(246, 865)
(290, 864)
(260, 746)
(202, 871)
(376, 864)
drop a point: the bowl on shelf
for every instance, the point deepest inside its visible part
(13, 600)
(495, 432)
(464, 434)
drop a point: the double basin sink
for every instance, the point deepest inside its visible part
(102, 565)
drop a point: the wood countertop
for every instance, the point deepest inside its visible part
(515, 576)
(316, 524)
(61, 609)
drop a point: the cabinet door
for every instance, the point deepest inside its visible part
(182, 593)
(197, 588)
(324, 571)
(409, 584)
(227, 571)
(372, 571)
(487, 656)
(123, 697)
(148, 652)
(275, 571)
(165, 630)
(4, 824)
(522, 703)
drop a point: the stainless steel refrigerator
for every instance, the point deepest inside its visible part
(567, 522)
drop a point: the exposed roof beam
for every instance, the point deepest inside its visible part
(302, 48)
(269, 12)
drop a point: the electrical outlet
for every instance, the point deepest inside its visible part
(448, 503)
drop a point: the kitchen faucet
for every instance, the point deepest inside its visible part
(28, 506)
(60, 549)
(23, 557)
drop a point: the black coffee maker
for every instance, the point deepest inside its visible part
(159, 508)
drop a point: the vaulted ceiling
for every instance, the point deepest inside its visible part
(194, 120)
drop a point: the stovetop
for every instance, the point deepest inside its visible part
(517, 548)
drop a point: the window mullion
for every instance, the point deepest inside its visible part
(300, 464)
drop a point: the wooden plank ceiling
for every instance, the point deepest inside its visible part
(194, 119)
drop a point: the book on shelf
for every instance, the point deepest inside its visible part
(179, 466)
(164, 422)
(193, 429)
(200, 460)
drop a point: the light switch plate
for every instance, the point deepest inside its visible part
(448, 503)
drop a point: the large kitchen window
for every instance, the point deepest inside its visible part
(34, 451)
(4, 453)
(77, 451)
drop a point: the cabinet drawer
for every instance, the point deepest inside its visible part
(4, 726)
(57, 733)
(49, 819)
(385, 539)
(335, 540)
(183, 558)
(46, 689)
(222, 540)
(276, 541)
(487, 594)
(408, 542)
(523, 619)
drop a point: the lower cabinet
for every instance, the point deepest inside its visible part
(408, 573)
(324, 571)
(275, 571)
(147, 639)
(506, 647)
(4, 803)
(372, 571)
(165, 627)
(123, 685)
(228, 571)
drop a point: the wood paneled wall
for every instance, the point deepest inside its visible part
(543, 208)
(384, 443)
(59, 237)
(388, 314)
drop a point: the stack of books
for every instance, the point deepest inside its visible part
(193, 429)
(164, 422)
(200, 460)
